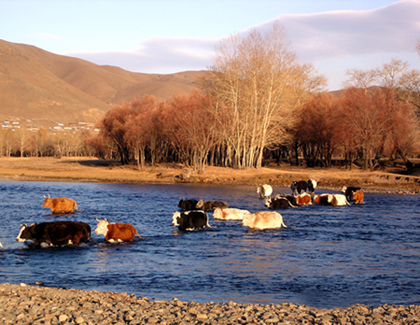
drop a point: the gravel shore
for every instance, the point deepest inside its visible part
(25, 304)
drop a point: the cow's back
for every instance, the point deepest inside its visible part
(193, 220)
(265, 220)
(61, 204)
(187, 204)
(121, 231)
(229, 214)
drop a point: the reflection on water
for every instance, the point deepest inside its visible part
(327, 257)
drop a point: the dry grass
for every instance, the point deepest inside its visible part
(84, 169)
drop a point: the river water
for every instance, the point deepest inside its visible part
(328, 257)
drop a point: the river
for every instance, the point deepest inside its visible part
(327, 257)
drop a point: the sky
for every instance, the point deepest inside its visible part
(169, 36)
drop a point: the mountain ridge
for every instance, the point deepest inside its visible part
(37, 84)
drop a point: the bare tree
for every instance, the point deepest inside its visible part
(260, 80)
(21, 137)
(362, 79)
(391, 73)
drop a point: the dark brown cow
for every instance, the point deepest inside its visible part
(116, 232)
(60, 204)
(55, 233)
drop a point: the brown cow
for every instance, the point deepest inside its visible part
(116, 232)
(358, 197)
(60, 204)
(303, 199)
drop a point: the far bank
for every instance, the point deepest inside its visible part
(87, 169)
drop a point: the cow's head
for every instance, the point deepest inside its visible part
(344, 189)
(25, 232)
(102, 227)
(47, 201)
(176, 218)
(200, 204)
(268, 201)
(246, 221)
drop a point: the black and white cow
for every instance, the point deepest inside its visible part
(312, 184)
(190, 220)
(211, 205)
(348, 191)
(299, 187)
(187, 205)
(278, 203)
(55, 233)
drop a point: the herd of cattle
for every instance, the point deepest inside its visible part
(193, 215)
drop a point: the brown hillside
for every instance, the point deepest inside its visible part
(39, 85)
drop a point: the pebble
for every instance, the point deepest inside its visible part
(26, 304)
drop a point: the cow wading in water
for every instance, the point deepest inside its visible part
(211, 205)
(190, 220)
(55, 233)
(116, 232)
(2, 246)
(60, 204)
(264, 220)
(187, 205)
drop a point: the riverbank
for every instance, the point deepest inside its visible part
(84, 169)
(23, 304)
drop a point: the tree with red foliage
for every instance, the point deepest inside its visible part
(319, 132)
(114, 127)
(367, 119)
(404, 133)
(192, 127)
(141, 128)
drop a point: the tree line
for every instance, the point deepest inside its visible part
(21, 142)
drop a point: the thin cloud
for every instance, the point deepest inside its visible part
(158, 55)
(391, 29)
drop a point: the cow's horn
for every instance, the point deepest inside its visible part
(97, 219)
(49, 195)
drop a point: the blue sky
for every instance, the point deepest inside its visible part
(167, 36)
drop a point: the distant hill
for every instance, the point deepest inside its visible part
(39, 85)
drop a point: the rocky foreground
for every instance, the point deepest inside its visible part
(24, 304)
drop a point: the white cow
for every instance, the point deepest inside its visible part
(264, 191)
(230, 214)
(337, 199)
(264, 220)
